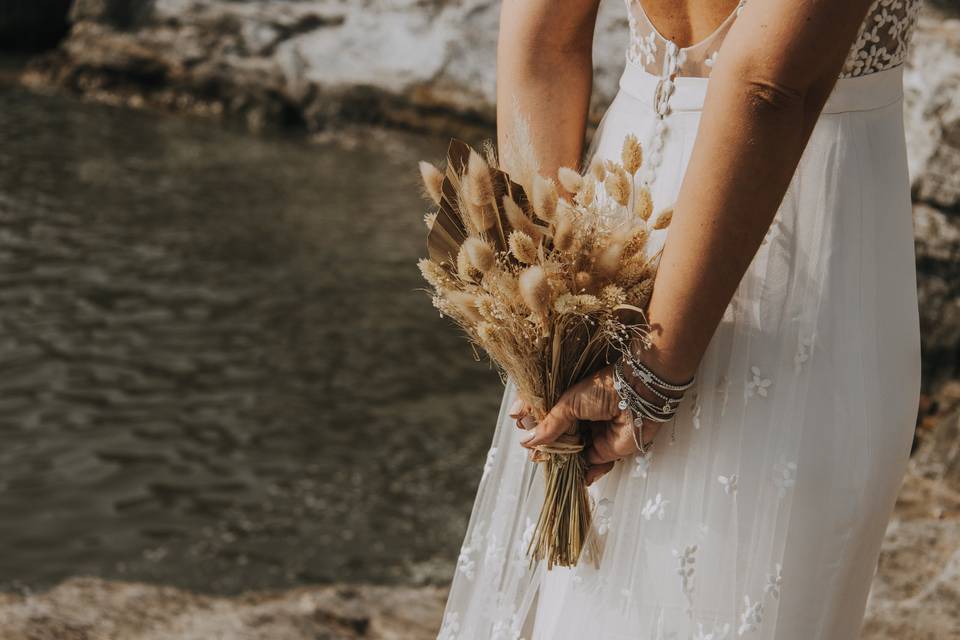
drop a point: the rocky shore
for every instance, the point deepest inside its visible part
(426, 65)
(915, 595)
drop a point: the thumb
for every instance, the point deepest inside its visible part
(558, 421)
(589, 399)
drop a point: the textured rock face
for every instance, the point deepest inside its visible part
(91, 609)
(916, 592)
(423, 65)
(932, 116)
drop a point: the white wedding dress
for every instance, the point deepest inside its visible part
(764, 518)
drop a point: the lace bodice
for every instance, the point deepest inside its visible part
(881, 42)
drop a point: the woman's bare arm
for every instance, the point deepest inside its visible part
(545, 68)
(773, 75)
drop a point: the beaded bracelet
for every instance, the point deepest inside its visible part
(640, 408)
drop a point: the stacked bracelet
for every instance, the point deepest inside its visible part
(641, 408)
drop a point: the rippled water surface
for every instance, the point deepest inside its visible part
(215, 370)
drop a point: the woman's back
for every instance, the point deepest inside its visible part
(696, 34)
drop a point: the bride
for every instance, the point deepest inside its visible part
(786, 292)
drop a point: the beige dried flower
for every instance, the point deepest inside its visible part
(465, 270)
(432, 181)
(632, 154)
(466, 304)
(487, 306)
(636, 241)
(634, 269)
(522, 247)
(429, 219)
(618, 185)
(569, 179)
(568, 303)
(587, 192)
(479, 253)
(501, 284)
(564, 232)
(480, 216)
(487, 332)
(535, 290)
(597, 169)
(517, 154)
(582, 281)
(519, 220)
(442, 305)
(643, 203)
(608, 260)
(612, 295)
(544, 198)
(664, 218)
(478, 172)
(639, 295)
(435, 275)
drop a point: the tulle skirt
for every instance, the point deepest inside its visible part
(763, 518)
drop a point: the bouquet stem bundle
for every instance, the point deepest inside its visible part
(549, 287)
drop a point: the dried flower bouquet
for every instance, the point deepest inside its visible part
(550, 286)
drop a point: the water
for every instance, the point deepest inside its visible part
(215, 371)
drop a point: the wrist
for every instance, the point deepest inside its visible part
(667, 366)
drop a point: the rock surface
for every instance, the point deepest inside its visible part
(426, 64)
(916, 592)
(93, 609)
(932, 117)
(915, 595)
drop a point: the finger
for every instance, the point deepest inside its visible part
(516, 409)
(596, 471)
(587, 400)
(608, 446)
(558, 421)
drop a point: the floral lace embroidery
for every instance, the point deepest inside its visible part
(451, 627)
(784, 475)
(641, 465)
(654, 507)
(686, 561)
(507, 630)
(883, 38)
(488, 465)
(752, 616)
(803, 353)
(881, 43)
(757, 384)
(729, 483)
(466, 564)
(603, 515)
(774, 582)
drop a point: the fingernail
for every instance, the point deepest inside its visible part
(516, 407)
(528, 436)
(528, 422)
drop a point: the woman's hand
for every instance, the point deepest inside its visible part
(593, 401)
